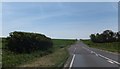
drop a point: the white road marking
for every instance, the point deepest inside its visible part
(107, 51)
(86, 48)
(72, 61)
(96, 54)
(109, 59)
(93, 52)
(74, 50)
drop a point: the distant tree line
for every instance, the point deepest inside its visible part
(25, 42)
(106, 36)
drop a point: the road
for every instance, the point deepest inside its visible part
(84, 57)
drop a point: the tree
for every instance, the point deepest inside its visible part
(106, 36)
(93, 37)
(118, 36)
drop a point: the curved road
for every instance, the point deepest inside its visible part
(84, 57)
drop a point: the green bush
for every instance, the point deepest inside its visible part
(24, 42)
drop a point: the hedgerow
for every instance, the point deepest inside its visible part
(25, 42)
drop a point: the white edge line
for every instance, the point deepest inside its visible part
(104, 57)
(109, 59)
(96, 54)
(107, 51)
(72, 61)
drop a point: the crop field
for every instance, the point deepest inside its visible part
(39, 58)
(61, 43)
(110, 46)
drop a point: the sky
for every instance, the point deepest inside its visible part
(64, 20)
(60, 0)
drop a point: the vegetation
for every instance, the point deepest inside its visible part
(24, 42)
(110, 46)
(61, 43)
(56, 58)
(0, 43)
(50, 60)
(106, 36)
(108, 40)
(0, 52)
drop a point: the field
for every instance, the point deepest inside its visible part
(110, 46)
(39, 58)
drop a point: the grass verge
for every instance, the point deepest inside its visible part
(39, 58)
(54, 59)
(111, 46)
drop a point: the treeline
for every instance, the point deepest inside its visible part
(106, 36)
(25, 42)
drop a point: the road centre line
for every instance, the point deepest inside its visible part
(74, 50)
(72, 61)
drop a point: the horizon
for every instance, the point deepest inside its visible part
(60, 20)
(55, 38)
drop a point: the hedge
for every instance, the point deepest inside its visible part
(28, 42)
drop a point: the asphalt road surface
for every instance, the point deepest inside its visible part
(84, 57)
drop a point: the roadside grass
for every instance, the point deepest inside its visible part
(39, 58)
(110, 46)
(55, 59)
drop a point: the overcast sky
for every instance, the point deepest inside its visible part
(59, 19)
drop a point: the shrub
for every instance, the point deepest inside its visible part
(28, 42)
